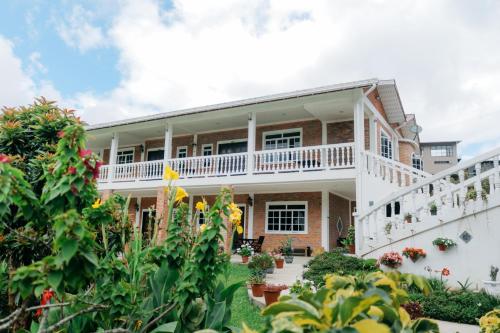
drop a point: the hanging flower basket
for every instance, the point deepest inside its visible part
(443, 244)
(414, 253)
(391, 259)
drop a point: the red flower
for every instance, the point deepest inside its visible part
(4, 158)
(445, 272)
(84, 152)
(46, 297)
(71, 170)
(60, 134)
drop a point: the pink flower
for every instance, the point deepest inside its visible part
(84, 152)
(60, 134)
(71, 170)
(4, 158)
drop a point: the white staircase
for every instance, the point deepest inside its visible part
(467, 201)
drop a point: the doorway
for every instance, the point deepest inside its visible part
(232, 147)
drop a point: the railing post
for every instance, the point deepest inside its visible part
(497, 173)
(167, 148)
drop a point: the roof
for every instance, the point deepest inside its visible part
(428, 143)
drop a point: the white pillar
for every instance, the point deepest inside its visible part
(325, 220)
(324, 133)
(250, 217)
(191, 206)
(167, 148)
(195, 144)
(252, 124)
(373, 133)
(138, 213)
(359, 146)
(113, 153)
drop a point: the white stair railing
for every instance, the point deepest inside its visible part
(448, 193)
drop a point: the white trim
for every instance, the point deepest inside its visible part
(230, 141)
(390, 139)
(286, 130)
(125, 149)
(203, 146)
(306, 217)
(179, 148)
(146, 152)
(325, 220)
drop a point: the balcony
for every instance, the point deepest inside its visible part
(279, 161)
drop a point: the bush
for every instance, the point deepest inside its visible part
(414, 309)
(338, 263)
(458, 306)
(261, 262)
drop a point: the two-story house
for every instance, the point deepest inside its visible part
(293, 160)
(439, 155)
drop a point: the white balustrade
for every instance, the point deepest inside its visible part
(150, 170)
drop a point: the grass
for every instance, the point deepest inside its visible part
(242, 309)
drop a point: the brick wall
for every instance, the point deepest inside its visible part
(339, 207)
(405, 151)
(273, 241)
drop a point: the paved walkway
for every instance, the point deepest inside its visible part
(293, 272)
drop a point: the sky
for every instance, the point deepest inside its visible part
(114, 59)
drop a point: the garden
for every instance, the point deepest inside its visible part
(72, 261)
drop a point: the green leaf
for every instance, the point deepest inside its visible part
(215, 316)
(291, 306)
(54, 278)
(166, 328)
(69, 248)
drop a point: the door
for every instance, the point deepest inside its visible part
(237, 165)
(232, 148)
(155, 155)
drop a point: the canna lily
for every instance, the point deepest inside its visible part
(170, 174)
(97, 204)
(180, 194)
(200, 205)
(203, 227)
(239, 229)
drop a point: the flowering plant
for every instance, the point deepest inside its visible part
(391, 259)
(444, 243)
(245, 250)
(275, 287)
(414, 253)
(277, 255)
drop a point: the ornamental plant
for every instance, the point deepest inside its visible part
(245, 250)
(444, 243)
(371, 303)
(490, 322)
(261, 262)
(391, 259)
(414, 253)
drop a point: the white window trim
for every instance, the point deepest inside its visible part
(152, 149)
(390, 139)
(203, 146)
(415, 156)
(230, 141)
(125, 149)
(178, 150)
(306, 217)
(287, 130)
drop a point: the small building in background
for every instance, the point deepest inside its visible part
(439, 155)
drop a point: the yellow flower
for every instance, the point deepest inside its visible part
(170, 174)
(200, 205)
(180, 194)
(239, 229)
(203, 227)
(235, 217)
(233, 207)
(97, 204)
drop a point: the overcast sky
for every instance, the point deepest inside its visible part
(117, 59)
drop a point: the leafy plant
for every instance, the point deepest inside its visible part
(350, 237)
(388, 228)
(414, 253)
(490, 322)
(286, 247)
(261, 262)
(433, 208)
(414, 309)
(464, 286)
(301, 287)
(245, 250)
(443, 241)
(256, 278)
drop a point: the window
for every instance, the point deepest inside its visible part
(416, 162)
(182, 152)
(125, 156)
(441, 162)
(442, 151)
(207, 150)
(286, 217)
(201, 216)
(385, 145)
(283, 139)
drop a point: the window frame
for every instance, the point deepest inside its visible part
(121, 150)
(415, 157)
(283, 131)
(448, 150)
(146, 155)
(287, 203)
(390, 144)
(207, 145)
(179, 149)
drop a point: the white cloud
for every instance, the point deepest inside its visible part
(445, 56)
(78, 32)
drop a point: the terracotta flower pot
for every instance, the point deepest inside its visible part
(258, 289)
(442, 247)
(244, 259)
(271, 296)
(279, 263)
(352, 248)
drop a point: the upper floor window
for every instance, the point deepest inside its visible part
(182, 152)
(416, 162)
(385, 146)
(286, 217)
(125, 156)
(442, 151)
(282, 139)
(207, 150)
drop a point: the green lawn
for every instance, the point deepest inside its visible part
(242, 309)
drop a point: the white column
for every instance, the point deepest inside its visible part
(138, 213)
(359, 146)
(373, 133)
(250, 217)
(167, 148)
(252, 122)
(113, 153)
(195, 144)
(325, 220)
(191, 206)
(324, 132)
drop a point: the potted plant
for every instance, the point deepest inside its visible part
(492, 286)
(286, 250)
(348, 242)
(245, 251)
(257, 282)
(443, 243)
(391, 259)
(272, 292)
(262, 263)
(414, 253)
(433, 208)
(278, 259)
(408, 217)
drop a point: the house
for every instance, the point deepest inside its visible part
(439, 155)
(293, 160)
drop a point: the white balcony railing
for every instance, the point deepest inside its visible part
(325, 157)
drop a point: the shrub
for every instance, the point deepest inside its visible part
(338, 263)
(414, 309)
(457, 306)
(261, 262)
